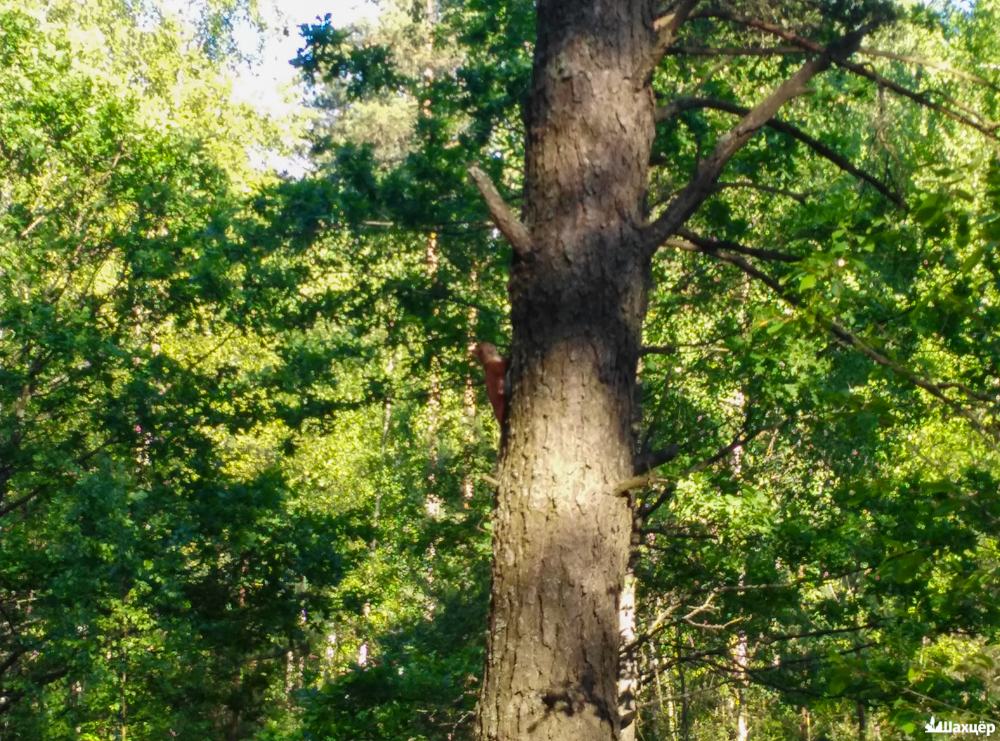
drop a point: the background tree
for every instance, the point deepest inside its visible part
(157, 565)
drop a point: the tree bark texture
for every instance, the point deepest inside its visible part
(578, 297)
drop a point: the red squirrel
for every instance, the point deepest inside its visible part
(495, 368)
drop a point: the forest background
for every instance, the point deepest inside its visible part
(246, 463)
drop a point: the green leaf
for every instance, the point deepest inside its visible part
(973, 259)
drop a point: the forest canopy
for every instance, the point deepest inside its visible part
(742, 262)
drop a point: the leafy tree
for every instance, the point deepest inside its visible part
(157, 569)
(810, 482)
(748, 483)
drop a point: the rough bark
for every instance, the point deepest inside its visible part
(578, 296)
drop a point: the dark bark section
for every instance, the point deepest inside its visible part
(561, 537)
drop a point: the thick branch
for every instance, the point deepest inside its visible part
(666, 27)
(508, 224)
(682, 104)
(710, 168)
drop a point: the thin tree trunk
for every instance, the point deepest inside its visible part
(664, 722)
(433, 501)
(628, 672)
(578, 297)
(740, 659)
(685, 726)
(469, 397)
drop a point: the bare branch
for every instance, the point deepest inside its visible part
(650, 477)
(733, 51)
(27, 498)
(709, 345)
(658, 350)
(656, 458)
(806, 580)
(844, 336)
(765, 254)
(678, 532)
(682, 104)
(15, 654)
(710, 168)
(650, 507)
(9, 507)
(666, 618)
(989, 130)
(738, 441)
(777, 638)
(508, 224)
(930, 64)
(771, 189)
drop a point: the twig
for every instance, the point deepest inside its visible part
(683, 104)
(843, 335)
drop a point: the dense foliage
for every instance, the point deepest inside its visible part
(245, 470)
(819, 554)
(156, 558)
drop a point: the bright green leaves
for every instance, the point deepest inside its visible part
(153, 551)
(878, 498)
(941, 213)
(247, 424)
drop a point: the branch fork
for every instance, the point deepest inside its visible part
(710, 168)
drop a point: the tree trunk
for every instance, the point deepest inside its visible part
(578, 298)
